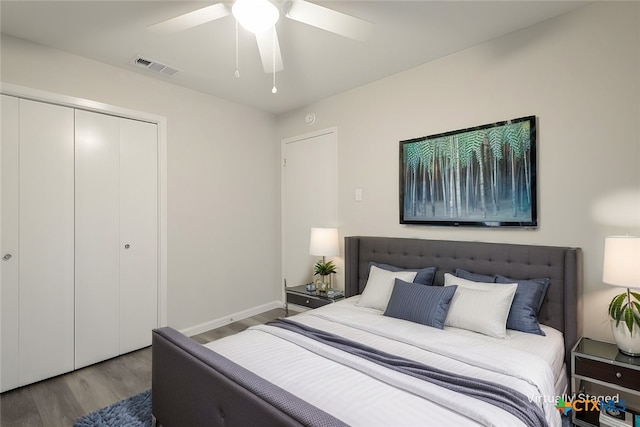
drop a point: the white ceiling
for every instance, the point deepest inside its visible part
(317, 64)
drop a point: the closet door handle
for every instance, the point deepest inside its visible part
(7, 257)
(127, 246)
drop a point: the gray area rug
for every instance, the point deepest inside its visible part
(132, 412)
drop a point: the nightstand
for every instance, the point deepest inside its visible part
(599, 369)
(299, 295)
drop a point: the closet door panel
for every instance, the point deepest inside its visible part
(97, 237)
(139, 230)
(9, 126)
(46, 227)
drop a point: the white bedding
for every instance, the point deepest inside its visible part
(361, 393)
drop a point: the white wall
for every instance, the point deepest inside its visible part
(223, 180)
(579, 74)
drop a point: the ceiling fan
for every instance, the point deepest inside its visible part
(260, 17)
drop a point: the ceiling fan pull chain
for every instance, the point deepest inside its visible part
(275, 89)
(237, 74)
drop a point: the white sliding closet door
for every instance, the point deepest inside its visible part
(46, 256)
(97, 236)
(9, 113)
(79, 238)
(138, 233)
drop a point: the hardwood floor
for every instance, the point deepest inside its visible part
(59, 401)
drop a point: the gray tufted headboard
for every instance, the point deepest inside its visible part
(562, 308)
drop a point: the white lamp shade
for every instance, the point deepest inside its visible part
(622, 261)
(324, 242)
(255, 16)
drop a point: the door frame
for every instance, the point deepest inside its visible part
(161, 121)
(283, 143)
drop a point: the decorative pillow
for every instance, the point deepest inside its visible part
(380, 283)
(424, 276)
(526, 304)
(475, 277)
(480, 307)
(427, 305)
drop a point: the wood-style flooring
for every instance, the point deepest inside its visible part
(61, 400)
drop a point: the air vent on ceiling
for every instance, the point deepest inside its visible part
(154, 66)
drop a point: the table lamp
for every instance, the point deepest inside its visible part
(324, 242)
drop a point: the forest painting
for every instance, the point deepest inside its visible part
(481, 176)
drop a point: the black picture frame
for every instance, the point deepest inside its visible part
(483, 176)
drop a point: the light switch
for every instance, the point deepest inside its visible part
(358, 194)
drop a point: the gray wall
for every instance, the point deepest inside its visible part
(223, 181)
(579, 73)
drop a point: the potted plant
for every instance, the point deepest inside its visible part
(323, 269)
(624, 311)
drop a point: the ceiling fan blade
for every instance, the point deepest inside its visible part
(330, 20)
(192, 19)
(269, 48)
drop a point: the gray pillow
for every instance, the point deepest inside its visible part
(526, 304)
(427, 305)
(464, 274)
(424, 276)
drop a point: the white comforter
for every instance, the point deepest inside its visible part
(362, 393)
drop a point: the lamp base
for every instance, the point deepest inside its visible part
(628, 342)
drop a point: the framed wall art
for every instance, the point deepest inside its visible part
(483, 176)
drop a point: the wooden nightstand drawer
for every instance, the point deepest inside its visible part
(306, 301)
(607, 372)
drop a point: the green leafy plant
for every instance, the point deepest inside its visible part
(324, 268)
(623, 308)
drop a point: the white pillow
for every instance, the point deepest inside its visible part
(380, 283)
(480, 307)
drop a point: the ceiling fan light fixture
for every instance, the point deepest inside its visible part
(255, 16)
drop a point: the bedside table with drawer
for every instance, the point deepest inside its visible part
(599, 369)
(299, 295)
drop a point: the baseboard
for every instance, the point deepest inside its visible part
(216, 323)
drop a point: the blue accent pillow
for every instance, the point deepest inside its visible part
(464, 274)
(526, 304)
(424, 276)
(427, 305)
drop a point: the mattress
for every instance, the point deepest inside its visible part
(359, 393)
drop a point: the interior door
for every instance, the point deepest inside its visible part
(46, 258)
(9, 240)
(309, 199)
(116, 235)
(138, 233)
(97, 231)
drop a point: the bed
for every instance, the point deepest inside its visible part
(348, 364)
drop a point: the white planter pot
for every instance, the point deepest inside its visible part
(628, 343)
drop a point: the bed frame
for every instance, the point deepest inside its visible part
(194, 386)
(561, 309)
